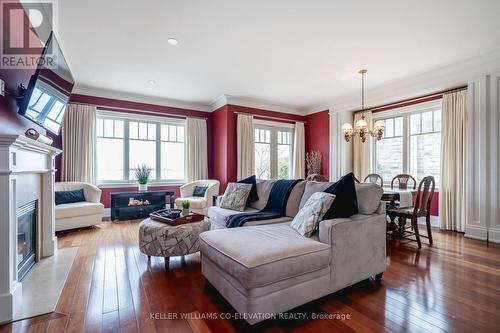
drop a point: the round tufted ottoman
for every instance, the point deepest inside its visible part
(163, 240)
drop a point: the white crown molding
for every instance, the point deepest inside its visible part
(254, 103)
(439, 79)
(125, 96)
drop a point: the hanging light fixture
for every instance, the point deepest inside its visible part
(361, 126)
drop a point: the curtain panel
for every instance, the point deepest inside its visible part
(196, 146)
(78, 143)
(362, 151)
(299, 153)
(245, 146)
(452, 190)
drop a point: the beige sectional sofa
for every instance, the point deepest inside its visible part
(265, 267)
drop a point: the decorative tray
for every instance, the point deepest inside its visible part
(175, 217)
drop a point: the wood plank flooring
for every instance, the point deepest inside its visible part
(453, 286)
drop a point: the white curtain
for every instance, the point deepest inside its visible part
(299, 153)
(196, 146)
(362, 151)
(245, 146)
(453, 162)
(78, 143)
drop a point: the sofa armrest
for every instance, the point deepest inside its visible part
(187, 189)
(211, 191)
(92, 193)
(358, 247)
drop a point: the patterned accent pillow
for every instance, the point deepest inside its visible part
(235, 197)
(307, 219)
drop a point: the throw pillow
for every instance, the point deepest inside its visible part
(64, 197)
(253, 192)
(346, 201)
(307, 219)
(199, 191)
(236, 196)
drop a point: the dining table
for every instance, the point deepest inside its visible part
(398, 198)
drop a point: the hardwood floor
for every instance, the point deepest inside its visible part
(453, 286)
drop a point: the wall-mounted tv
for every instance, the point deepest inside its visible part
(44, 101)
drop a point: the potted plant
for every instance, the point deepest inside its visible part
(185, 207)
(142, 173)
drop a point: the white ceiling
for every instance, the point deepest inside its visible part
(297, 54)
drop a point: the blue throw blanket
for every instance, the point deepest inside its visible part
(275, 207)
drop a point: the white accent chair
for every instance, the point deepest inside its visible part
(198, 204)
(79, 214)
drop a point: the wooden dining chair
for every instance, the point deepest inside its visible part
(421, 208)
(374, 178)
(403, 180)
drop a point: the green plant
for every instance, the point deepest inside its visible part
(186, 204)
(142, 173)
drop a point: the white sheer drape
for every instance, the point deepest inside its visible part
(452, 189)
(196, 146)
(299, 153)
(245, 146)
(362, 150)
(78, 143)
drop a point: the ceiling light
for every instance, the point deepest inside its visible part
(172, 41)
(151, 81)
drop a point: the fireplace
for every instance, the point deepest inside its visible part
(27, 216)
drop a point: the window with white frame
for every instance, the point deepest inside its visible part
(411, 142)
(273, 150)
(124, 142)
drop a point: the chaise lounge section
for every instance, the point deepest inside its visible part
(263, 270)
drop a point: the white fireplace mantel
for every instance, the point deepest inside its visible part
(23, 157)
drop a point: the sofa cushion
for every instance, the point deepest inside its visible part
(307, 219)
(220, 215)
(369, 196)
(195, 202)
(292, 206)
(66, 197)
(263, 190)
(312, 187)
(235, 197)
(259, 256)
(78, 209)
(199, 191)
(346, 201)
(253, 196)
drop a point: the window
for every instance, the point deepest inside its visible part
(425, 144)
(273, 151)
(389, 150)
(123, 143)
(411, 143)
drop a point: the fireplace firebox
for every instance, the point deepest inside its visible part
(26, 237)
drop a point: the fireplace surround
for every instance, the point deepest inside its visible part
(26, 176)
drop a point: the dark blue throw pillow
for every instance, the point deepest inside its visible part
(64, 197)
(252, 197)
(199, 191)
(346, 201)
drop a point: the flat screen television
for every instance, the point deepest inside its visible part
(44, 101)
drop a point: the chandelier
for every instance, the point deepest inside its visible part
(361, 127)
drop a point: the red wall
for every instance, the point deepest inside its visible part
(318, 138)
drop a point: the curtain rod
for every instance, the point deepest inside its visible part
(414, 100)
(270, 117)
(114, 108)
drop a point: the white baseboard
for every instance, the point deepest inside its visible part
(106, 214)
(494, 235)
(476, 232)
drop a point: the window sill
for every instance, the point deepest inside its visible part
(123, 185)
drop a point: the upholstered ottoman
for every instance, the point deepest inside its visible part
(163, 240)
(265, 270)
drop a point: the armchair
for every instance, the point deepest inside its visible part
(199, 204)
(79, 214)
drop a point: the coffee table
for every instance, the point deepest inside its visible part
(163, 240)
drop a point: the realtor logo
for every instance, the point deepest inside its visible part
(24, 30)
